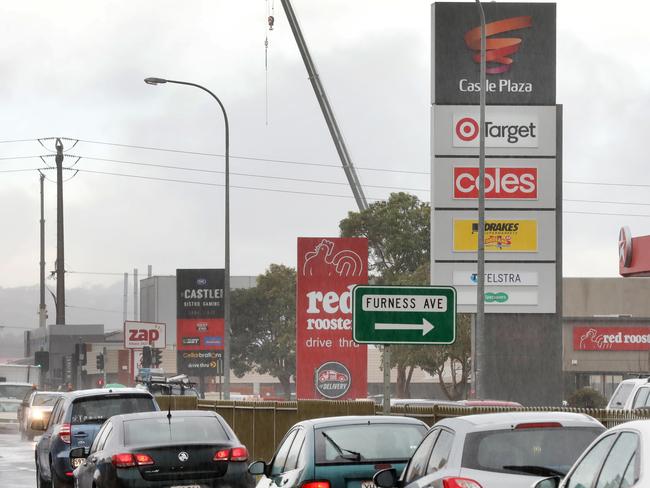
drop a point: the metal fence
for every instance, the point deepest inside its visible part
(262, 425)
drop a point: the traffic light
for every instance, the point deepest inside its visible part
(100, 362)
(146, 357)
(156, 357)
(42, 359)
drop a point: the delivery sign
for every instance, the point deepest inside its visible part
(329, 364)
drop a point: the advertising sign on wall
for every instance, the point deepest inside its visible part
(329, 364)
(199, 323)
(500, 183)
(520, 53)
(140, 334)
(500, 235)
(611, 338)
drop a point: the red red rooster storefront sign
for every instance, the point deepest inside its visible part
(329, 364)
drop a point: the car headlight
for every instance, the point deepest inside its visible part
(36, 415)
(76, 462)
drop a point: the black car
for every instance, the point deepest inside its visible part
(188, 448)
(75, 420)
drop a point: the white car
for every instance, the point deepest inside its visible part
(500, 450)
(630, 394)
(9, 413)
(617, 458)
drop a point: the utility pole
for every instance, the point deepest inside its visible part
(60, 263)
(125, 303)
(42, 311)
(135, 294)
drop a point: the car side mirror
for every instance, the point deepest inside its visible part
(258, 468)
(37, 425)
(553, 482)
(386, 478)
(77, 452)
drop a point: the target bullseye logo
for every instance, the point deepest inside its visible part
(467, 129)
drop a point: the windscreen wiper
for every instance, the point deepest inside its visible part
(356, 456)
(537, 470)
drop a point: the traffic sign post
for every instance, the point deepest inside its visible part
(404, 314)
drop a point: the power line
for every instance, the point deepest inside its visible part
(94, 309)
(600, 183)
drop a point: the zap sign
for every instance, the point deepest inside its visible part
(140, 334)
(329, 364)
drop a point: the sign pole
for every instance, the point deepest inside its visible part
(386, 400)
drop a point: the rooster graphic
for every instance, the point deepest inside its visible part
(323, 262)
(592, 336)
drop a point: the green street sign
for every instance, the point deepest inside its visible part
(404, 314)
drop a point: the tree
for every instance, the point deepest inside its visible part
(264, 326)
(398, 232)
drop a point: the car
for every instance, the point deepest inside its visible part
(498, 450)
(9, 414)
(15, 389)
(75, 420)
(37, 405)
(489, 403)
(339, 452)
(189, 448)
(630, 394)
(422, 402)
(617, 458)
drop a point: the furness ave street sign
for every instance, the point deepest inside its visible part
(404, 314)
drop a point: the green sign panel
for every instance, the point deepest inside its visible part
(404, 314)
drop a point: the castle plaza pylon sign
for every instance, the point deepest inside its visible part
(523, 201)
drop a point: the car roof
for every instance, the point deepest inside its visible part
(505, 420)
(104, 392)
(164, 413)
(16, 383)
(636, 381)
(359, 419)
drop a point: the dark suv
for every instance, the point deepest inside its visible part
(75, 420)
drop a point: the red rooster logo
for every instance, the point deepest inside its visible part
(323, 262)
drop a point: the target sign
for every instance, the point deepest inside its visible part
(467, 129)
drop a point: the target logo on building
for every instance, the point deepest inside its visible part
(467, 129)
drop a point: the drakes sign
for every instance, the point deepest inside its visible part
(520, 53)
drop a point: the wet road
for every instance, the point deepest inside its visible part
(16, 461)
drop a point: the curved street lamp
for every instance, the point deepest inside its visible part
(226, 291)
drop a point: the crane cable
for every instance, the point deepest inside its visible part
(270, 19)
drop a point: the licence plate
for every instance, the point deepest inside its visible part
(367, 484)
(187, 486)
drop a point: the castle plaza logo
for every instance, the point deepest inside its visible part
(500, 49)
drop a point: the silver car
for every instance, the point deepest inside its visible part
(500, 450)
(618, 458)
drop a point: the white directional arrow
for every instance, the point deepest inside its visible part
(425, 327)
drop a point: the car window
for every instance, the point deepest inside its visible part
(98, 409)
(98, 437)
(641, 397)
(618, 460)
(294, 452)
(586, 472)
(178, 429)
(383, 442)
(513, 450)
(417, 465)
(283, 451)
(107, 433)
(631, 474)
(441, 450)
(56, 412)
(620, 395)
(44, 399)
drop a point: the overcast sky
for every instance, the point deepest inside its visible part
(75, 69)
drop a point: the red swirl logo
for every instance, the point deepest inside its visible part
(498, 50)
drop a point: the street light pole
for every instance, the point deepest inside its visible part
(479, 387)
(226, 291)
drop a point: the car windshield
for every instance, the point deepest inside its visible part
(620, 396)
(15, 391)
(157, 431)
(522, 450)
(45, 399)
(97, 410)
(6, 406)
(372, 442)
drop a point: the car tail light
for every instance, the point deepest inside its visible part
(539, 425)
(123, 460)
(143, 459)
(316, 484)
(234, 454)
(222, 455)
(64, 433)
(128, 460)
(460, 483)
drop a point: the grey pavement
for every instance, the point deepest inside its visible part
(16, 461)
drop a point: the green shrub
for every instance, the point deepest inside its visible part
(587, 397)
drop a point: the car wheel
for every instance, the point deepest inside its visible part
(56, 481)
(40, 482)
